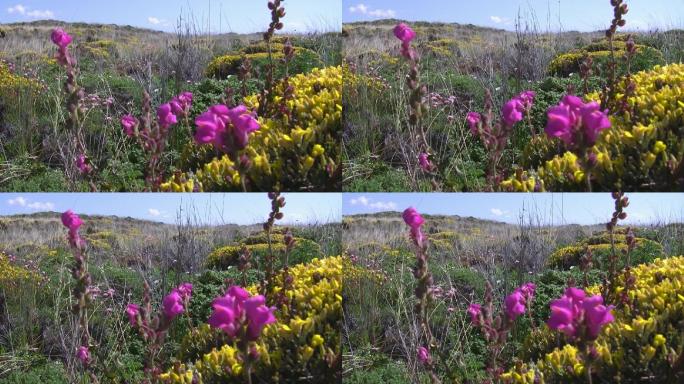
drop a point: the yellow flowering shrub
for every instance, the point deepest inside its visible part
(304, 342)
(11, 275)
(640, 346)
(645, 250)
(12, 84)
(301, 152)
(567, 63)
(224, 257)
(642, 150)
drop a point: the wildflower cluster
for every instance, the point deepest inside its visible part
(299, 148)
(82, 291)
(643, 340)
(11, 274)
(152, 134)
(495, 134)
(11, 84)
(630, 147)
(153, 327)
(496, 326)
(304, 341)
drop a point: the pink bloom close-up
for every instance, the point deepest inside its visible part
(577, 315)
(83, 354)
(173, 305)
(404, 33)
(71, 220)
(515, 304)
(423, 355)
(559, 123)
(166, 116)
(132, 311)
(574, 121)
(129, 124)
(181, 104)
(475, 310)
(214, 125)
(512, 112)
(258, 315)
(82, 164)
(473, 119)
(424, 163)
(412, 218)
(60, 38)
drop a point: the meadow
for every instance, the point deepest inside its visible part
(449, 299)
(95, 299)
(91, 107)
(452, 107)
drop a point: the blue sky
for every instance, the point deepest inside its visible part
(241, 16)
(556, 208)
(209, 208)
(582, 15)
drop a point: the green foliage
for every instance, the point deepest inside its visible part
(381, 371)
(304, 250)
(45, 373)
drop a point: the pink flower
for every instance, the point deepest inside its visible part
(243, 124)
(579, 316)
(473, 119)
(227, 129)
(129, 124)
(512, 112)
(258, 315)
(413, 219)
(475, 310)
(515, 305)
(596, 315)
(424, 355)
(594, 121)
(165, 116)
(404, 33)
(132, 310)
(173, 305)
(181, 104)
(60, 38)
(185, 290)
(71, 220)
(82, 164)
(238, 308)
(527, 99)
(424, 163)
(83, 354)
(576, 122)
(559, 123)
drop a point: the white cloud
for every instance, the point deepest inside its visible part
(497, 212)
(360, 8)
(157, 21)
(36, 13)
(365, 10)
(361, 200)
(378, 205)
(154, 212)
(36, 205)
(20, 201)
(500, 20)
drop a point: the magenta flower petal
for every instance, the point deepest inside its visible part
(404, 33)
(60, 38)
(512, 112)
(71, 220)
(173, 305)
(412, 218)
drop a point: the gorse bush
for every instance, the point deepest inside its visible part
(641, 345)
(570, 62)
(223, 66)
(288, 150)
(304, 342)
(641, 150)
(303, 250)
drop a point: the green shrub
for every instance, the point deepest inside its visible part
(223, 66)
(46, 373)
(571, 256)
(304, 250)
